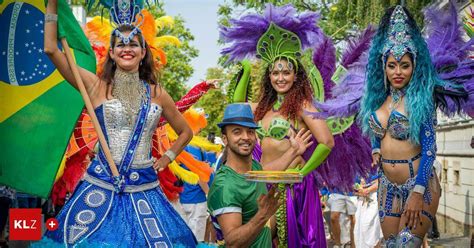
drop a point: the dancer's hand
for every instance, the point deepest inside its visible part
(213, 83)
(362, 192)
(269, 203)
(301, 141)
(413, 209)
(376, 159)
(161, 163)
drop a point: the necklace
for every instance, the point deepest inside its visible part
(397, 95)
(130, 91)
(277, 105)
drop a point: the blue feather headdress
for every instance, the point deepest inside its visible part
(123, 12)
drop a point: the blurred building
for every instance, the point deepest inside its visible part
(455, 137)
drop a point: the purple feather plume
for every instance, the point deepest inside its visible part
(350, 158)
(351, 153)
(347, 94)
(356, 47)
(324, 58)
(450, 56)
(245, 32)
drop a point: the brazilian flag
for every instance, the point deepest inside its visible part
(38, 108)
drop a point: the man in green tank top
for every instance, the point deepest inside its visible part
(241, 210)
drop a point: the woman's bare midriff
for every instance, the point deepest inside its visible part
(398, 150)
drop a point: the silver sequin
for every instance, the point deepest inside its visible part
(118, 132)
(134, 176)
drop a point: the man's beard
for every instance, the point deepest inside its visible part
(236, 150)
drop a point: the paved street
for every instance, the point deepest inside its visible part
(451, 241)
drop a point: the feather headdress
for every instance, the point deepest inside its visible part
(98, 32)
(245, 32)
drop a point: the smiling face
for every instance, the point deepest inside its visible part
(399, 73)
(239, 139)
(282, 76)
(127, 56)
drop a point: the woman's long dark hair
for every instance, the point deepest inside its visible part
(299, 94)
(147, 71)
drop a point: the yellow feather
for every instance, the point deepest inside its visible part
(197, 141)
(164, 21)
(203, 143)
(172, 136)
(183, 174)
(165, 40)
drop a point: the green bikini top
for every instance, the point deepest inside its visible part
(278, 129)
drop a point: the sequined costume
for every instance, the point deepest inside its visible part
(139, 215)
(392, 197)
(436, 82)
(84, 139)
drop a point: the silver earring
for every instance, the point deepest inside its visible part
(141, 62)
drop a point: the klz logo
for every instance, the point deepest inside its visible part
(25, 223)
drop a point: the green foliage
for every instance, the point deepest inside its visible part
(214, 101)
(178, 68)
(346, 17)
(340, 19)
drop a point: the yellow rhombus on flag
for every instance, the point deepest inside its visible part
(38, 108)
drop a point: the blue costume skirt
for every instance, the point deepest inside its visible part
(99, 217)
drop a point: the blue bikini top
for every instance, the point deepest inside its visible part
(398, 126)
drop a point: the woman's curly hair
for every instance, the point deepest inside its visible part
(298, 95)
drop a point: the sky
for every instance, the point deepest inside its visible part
(201, 19)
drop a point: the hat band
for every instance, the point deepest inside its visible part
(238, 119)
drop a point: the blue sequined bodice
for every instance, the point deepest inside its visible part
(398, 126)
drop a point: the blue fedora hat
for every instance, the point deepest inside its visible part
(238, 114)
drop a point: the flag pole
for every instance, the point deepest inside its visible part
(89, 107)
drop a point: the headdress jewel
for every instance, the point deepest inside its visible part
(278, 43)
(399, 40)
(124, 12)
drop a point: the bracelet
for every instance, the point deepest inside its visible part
(419, 189)
(50, 17)
(171, 155)
(375, 150)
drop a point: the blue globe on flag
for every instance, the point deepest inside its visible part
(23, 61)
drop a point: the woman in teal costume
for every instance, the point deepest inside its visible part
(131, 211)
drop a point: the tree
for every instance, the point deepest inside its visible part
(340, 19)
(214, 101)
(178, 69)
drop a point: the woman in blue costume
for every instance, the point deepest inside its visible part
(396, 97)
(128, 101)
(398, 112)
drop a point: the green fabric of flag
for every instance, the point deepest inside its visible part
(38, 108)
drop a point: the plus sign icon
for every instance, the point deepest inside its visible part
(52, 224)
(25, 224)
